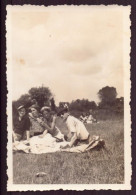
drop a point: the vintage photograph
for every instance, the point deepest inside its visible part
(68, 78)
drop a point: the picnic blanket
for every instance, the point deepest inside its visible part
(48, 144)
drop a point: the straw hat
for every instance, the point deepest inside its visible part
(47, 108)
(20, 107)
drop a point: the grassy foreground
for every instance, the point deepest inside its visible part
(92, 167)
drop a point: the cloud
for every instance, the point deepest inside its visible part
(28, 19)
(74, 53)
(77, 53)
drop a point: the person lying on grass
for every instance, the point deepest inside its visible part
(77, 130)
(50, 118)
(83, 117)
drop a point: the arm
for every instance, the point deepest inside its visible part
(27, 127)
(53, 122)
(44, 133)
(44, 124)
(72, 131)
(71, 143)
(27, 135)
(73, 139)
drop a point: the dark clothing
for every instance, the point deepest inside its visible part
(36, 127)
(79, 142)
(20, 126)
(37, 133)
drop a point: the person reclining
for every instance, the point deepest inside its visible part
(77, 130)
(83, 118)
(89, 119)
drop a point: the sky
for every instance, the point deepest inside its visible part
(75, 51)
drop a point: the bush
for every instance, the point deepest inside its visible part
(105, 114)
(100, 114)
(75, 113)
(83, 105)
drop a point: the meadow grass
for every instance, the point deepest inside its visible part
(92, 167)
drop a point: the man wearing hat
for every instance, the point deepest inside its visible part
(77, 130)
(21, 125)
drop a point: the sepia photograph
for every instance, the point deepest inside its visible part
(68, 79)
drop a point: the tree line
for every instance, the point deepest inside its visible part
(42, 96)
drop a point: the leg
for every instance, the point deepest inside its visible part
(16, 137)
(44, 133)
(24, 136)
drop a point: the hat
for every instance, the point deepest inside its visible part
(20, 107)
(62, 111)
(45, 108)
(35, 107)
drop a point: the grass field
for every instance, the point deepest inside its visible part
(92, 167)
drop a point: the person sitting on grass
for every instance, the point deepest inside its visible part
(92, 116)
(21, 125)
(50, 118)
(89, 118)
(36, 121)
(83, 117)
(77, 130)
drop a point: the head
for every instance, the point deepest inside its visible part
(83, 114)
(90, 111)
(33, 101)
(21, 111)
(64, 116)
(35, 110)
(63, 113)
(46, 112)
(87, 114)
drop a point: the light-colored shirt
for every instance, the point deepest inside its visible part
(90, 118)
(76, 126)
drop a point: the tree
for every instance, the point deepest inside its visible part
(76, 105)
(64, 104)
(24, 100)
(82, 105)
(92, 105)
(119, 105)
(15, 104)
(107, 96)
(41, 94)
(53, 106)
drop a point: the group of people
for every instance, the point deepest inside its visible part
(39, 122)
(87, 118)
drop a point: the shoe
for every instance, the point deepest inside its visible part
(59, 140)
(96, 138)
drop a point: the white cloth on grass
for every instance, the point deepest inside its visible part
(38, 145)
(76, 126)
(48, 144)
